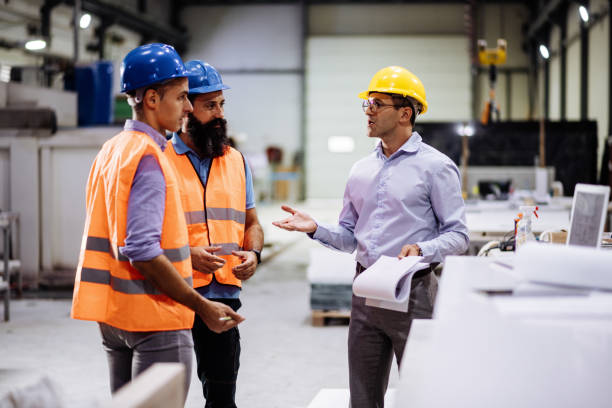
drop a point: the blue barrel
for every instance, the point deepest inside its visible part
(94, 86)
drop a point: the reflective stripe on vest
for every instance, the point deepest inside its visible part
(132, 287)
(222, 223)
(104, 245)
(107, 287)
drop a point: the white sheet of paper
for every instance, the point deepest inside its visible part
(386, 284)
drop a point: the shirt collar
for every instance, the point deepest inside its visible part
(179, 146)
(411, 146)
(138, 126)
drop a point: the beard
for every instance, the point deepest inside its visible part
(210, 138)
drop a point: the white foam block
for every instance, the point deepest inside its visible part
(331, 267)
(565, 265)
(492, 361)
(339, 397)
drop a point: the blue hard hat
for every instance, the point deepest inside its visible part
(150, 64)
(204, 78)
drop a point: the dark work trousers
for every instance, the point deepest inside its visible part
(218, 359)
(376, 334)
(130, 353)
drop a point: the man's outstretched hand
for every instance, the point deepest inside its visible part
(298, 221)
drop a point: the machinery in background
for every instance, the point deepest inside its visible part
(491, 57)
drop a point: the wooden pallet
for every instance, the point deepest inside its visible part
(323, 317)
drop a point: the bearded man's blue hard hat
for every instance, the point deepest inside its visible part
(204, 78)
(150, 64)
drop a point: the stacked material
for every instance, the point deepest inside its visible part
(330, 274)
(28, 118)
(545, 345)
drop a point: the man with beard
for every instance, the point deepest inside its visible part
(134, 275)
(225, 236)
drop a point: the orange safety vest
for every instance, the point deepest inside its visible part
(215, 213)
(107, 287)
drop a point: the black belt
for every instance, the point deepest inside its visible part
(418, 274)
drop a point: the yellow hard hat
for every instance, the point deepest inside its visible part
(397, 80)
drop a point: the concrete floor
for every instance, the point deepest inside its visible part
(285, 361)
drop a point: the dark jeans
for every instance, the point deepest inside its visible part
(218, 359)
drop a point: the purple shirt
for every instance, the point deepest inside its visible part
(410, 197)
(146, 204)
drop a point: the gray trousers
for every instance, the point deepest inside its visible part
(376, 334)
(130, 353)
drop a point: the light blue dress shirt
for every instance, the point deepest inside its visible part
(146, 203)
(410, 197)
(215, 290)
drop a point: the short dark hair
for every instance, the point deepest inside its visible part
(159, 87)
(401, 101)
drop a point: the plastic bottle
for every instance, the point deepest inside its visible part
(524, 232)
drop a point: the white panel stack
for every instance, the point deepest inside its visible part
(64, 103)
(338, 68)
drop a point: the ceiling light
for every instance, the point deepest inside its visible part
(544, 51)
(584, 14)
(85, 20)
(34, 45)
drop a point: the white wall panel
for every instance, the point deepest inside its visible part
(554, 89)
(245, 37)
(573, 81)
(338, 68)
(573, 65)
(374, 19)
(24, 199)
(599, 77)
(257, 50)
(4, 186)
(4, 179)
(266, 108)
(69, 171)
(65, 161)
(520, 97)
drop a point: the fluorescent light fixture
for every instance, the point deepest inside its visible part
(340, 144)
(544, 51)
(5, 73)
(466, 130)
(34, 45)
(584, 13)
(85, 20)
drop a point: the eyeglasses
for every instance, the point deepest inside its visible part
(374, 105)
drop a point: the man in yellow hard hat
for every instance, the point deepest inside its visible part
(404, 199)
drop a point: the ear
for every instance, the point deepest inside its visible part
(151, 99)
(407, 113)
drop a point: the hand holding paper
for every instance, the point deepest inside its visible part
(386, 284)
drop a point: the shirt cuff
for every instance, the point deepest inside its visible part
(426, 249)
(142, 253)
(319, 233)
